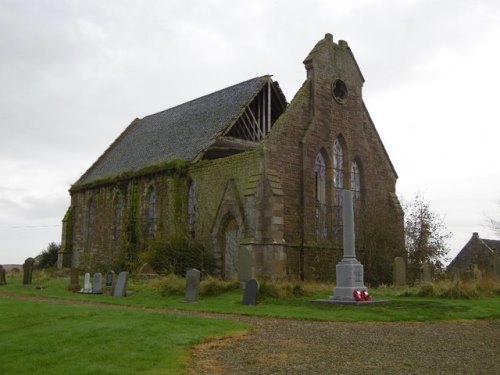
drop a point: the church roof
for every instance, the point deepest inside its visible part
(182, 132)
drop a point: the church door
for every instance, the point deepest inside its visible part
(231, 244)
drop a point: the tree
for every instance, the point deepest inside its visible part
(425, 237)
(48, 257)
(494, 222)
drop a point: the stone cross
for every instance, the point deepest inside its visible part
(349, 272)
(121, 285)
(2, 276)
(28, 271)
(97, 283)
(251, 292)
(192, 285)
(74, 280)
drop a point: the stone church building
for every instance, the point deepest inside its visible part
(246, 174)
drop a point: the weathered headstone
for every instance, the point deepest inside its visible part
(110, 279)
(121, 285)
(244, 264)
(74, 280)
(251, 292)
(426, 276)
(97, 289)
(87, 286)
(2, 276)
(399, 272)
(146, 271)
(28, 271)
(192, 285)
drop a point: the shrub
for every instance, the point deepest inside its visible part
(170, 285)
(211, 286)
(48, 257)
(177, 255)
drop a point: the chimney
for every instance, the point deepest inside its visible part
(475, 235)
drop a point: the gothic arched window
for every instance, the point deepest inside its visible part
(151, 211)
(338, 186)
(356, 182)
(320, 195)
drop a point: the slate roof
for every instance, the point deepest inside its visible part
(474, 249)
(182, 131)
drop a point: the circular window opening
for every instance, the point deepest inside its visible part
(339, 91)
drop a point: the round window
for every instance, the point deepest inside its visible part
(339, 91)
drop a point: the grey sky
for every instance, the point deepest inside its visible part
(74, 74)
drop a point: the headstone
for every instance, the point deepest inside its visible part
(251, 292)
(110, 279)
(121, 285)
(244, 264)
(74, 280)
(426, 276)
(192, 285)
(28, 271)
(87, 286)
(2, 276)
(97, 289)
(349, 272)
(147, 271)
(399, 272)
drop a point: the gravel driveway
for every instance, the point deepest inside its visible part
(306, 347)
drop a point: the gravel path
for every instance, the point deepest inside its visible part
(305, 347)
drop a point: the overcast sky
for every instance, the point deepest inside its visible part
(74, 74)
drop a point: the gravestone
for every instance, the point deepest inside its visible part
(97, 289)
(244, 264)
(74, 280)
(251, 292)
(399, 272)
(28, 271)
(110, 279)
(426, 276)
(121, 285)
(87, 285)
(192, 285)
(2, 276)
(147, 271)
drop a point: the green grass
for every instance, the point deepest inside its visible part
(409, 307)
(40, 337)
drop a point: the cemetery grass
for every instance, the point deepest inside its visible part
(38, 336)
(399, 308)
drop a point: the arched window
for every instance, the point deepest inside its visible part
(338, 186)
(151, 211)
(356, 182)
(320, 195)
(192, 208)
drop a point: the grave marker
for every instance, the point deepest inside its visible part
(399, 272)
(97, 289)
(87, 286)
(2, 276)
(121, 285)
(426, 276)
(251, 292)
(192, 285)
(28, 271)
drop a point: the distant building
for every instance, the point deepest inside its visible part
(242, 171)
(480, 252)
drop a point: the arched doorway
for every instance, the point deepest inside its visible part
(229, 247)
